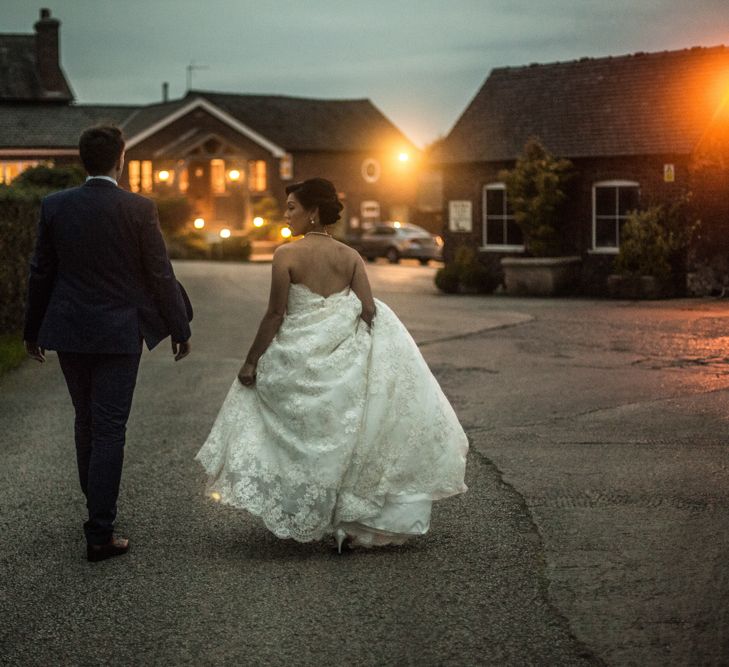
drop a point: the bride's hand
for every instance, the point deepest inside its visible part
(247, 375)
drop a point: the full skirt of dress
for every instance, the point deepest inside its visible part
(345, 427)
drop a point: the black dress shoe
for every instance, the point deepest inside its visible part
(116, 546)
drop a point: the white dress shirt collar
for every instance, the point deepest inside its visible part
(106, 178)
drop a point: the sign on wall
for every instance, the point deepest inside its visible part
(669, 173)
(460, 216)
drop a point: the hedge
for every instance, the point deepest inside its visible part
(18, 221)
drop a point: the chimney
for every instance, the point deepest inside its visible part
(165, 92)
(46, 53)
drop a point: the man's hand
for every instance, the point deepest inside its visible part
(181, 350)
(247, 375)
(35, 352)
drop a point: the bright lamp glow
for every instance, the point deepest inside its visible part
(403, 157)
(164, 175)
(199, 223)
(285, 232)
(258, 222)
(396, 224)
(234, 175)
(215, 496)
(225, 233)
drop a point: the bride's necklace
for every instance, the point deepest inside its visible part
(319, 233)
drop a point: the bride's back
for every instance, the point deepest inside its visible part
(322, 264)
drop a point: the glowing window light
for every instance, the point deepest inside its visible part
(199, 223)
(258, 222)
(225, 233)
(286, 232)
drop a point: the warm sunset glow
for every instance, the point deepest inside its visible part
(225, 233)
(234, 175)
(258, 222)
(286, 232)
(403, 157)
(199, 223)
(164, 175)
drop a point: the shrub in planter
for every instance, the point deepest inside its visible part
(536, 191)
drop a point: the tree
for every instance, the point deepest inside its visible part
(536, 191)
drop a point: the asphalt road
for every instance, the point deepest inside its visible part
(594, 527)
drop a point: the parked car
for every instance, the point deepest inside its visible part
(396, 240)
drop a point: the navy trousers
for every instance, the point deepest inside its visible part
(101, 388)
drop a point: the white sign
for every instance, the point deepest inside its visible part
(370, 209)
(460, 215)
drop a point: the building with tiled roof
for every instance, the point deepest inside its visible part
(225, 152)
(633, 126)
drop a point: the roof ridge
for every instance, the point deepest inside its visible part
(613, 58)
(278, 96)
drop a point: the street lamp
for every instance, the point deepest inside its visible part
(286, 232)
(258, 221)
(198, 223)
(225, 233)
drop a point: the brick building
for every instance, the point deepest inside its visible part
(639, 129)
(224, 152)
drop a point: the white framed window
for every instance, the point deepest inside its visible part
(611, 203)
(500, 231)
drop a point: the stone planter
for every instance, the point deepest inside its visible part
(635, 287)
(541, 276)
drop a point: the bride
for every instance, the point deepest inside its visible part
(335, 425)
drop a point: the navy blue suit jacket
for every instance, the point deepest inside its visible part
(100, 279)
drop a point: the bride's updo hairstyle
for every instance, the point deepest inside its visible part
(318, 193)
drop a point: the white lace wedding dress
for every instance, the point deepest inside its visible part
(346, 427)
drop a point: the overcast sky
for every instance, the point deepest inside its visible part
(419, 61)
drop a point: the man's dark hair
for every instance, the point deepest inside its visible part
(100, 148)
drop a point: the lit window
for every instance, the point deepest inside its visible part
(134, 175)
(147, 180)
(257, 175)
(11, 169)
(184, 182)
(611, 203)
(499, 229)
(217, 176)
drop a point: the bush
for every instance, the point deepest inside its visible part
(655, 241)
(446, 279)
(174, 214)
(191, 245)
(18, 221)
(235, 248)
(466, 274)
(50, 179)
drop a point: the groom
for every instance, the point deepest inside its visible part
(101, 283)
